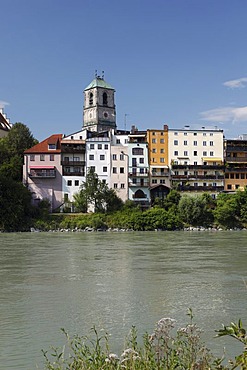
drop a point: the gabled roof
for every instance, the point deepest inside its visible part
(99, 82)
(43, 146)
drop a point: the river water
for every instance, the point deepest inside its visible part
(50, 281)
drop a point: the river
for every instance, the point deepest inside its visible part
(50, 281)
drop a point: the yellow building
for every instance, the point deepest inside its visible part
(158, 161)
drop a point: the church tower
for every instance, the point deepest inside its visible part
(99, 112)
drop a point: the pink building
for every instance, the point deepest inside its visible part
(42, 171)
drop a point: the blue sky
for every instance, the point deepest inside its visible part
(179, 62)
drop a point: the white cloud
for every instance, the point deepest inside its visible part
(3, 103)
(236, 84)
(226, 114)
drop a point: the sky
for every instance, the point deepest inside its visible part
(174, 62)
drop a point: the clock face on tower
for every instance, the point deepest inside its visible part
(105, 114)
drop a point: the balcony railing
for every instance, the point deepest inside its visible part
(42, 174)
(75, 173)
(236, 169)
(198, 167)
(237, 148)
(73, 149)
(201, 177)
(159, 173)
(139, 183)
(200, 188)
(73, 163)
(236, 159)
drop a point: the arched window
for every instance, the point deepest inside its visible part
(137, 151)
(139, 194)
(91, 98)
(105, 98)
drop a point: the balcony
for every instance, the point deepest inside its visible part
(236, 169)
(139, 183)
(198, 177)
(42, 173)
(66, 148)
(160, 174)
(74, 173)
(200, 188)
(73, 163)
(236, 159)
(198, 167)
(236, 148)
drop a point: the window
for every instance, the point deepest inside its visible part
(211, 154)
(141, 160)
(229, 186)
(104, 181)
(115, 186)
(195, 163)
(162, 133)
(185, 153)
(76, 182)
(80, 137)
(153, 141)
(195, 143)
(121, 157)
(106, 146)
(153, 133)
(176, 152)
(204, 154)
(242, 175)
(195, 184)
(154, 160)
(154, 181)
(42, 157)
(236, 186)
(114, 169)
(162, 181)
(142, 171)
(185, 142)
(99, 146)
(204, 143)
(153, 150)
(52, 157)
(102, 157)
(237, 175)
(185, 134)
(162, 141)
(176, 173)
(91, 157)
(125, 141)
(227, 176)
(211, 134)
(114, 157)
(195, 152)
(66, 197)
(214, 184)
(195, 133)
(121, 169)
(104, 98)
(137, 151)
(92, 168)
(211, 143)
(204, 134)
(175, 133)
(51, 146)
(175, 142)
(69, 182)
(91, 146)
(91, 98)
(134, 181)
(162, 160)
(118, 141)
(32, 157)
(104, 169)
(204, 184)
(162, 151)
(122, 186)
(185, 173)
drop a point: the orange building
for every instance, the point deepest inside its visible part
(158, 162)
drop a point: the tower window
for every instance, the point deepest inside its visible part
(91, 99)
(105, 98)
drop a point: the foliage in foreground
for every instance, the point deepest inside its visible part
(164, 349)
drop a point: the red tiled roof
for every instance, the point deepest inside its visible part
(42, 147)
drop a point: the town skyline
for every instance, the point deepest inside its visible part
(179, 63)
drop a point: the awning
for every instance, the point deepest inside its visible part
(212, 159)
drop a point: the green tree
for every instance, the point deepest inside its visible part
(196, 211)
(12, 148)
(15, 205)
(96, 193)
(226, 211)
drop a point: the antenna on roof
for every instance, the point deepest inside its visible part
(103, 74)
(95, 75)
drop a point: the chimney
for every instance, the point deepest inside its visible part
(165, 127)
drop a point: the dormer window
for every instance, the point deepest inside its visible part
(52, 146)
(91, 99)
(105, 98)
